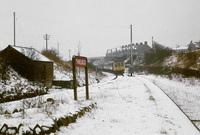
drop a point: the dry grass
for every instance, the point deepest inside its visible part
(53, 55)
(185, 60)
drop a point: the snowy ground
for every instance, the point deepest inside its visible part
(131, 105)
(126, 105)
(183, 91)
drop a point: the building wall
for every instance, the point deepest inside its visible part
(43, 72)
(143, 49)
(192, 47)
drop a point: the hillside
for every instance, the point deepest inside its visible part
(190, 60)
(63, 70)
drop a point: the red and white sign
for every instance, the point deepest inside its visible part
(80, 61)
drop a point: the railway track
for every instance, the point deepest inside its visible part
(186, 107)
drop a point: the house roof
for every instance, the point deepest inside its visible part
(180, 48)
(196, 44)
(31, 53)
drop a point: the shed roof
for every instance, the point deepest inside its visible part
(31, 53)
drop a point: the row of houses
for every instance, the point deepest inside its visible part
(138, 49)
(29, 63)
(192, 46)
(121, 53)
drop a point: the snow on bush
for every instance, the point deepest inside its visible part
(16, 87)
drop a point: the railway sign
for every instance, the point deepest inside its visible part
(78, 61)
(81, 61)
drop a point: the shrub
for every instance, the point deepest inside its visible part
(52, 54)
(158, 55)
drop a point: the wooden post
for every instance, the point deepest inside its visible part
(86, 81)
(74, 79)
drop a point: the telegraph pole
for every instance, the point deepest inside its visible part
(14, 28)
(58, 49)
(131, 67)
(46, 37)
(131, 46)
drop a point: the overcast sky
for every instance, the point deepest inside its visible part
(98, 25)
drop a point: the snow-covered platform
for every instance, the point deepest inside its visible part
(126, 105)
(131, 105)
